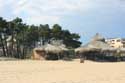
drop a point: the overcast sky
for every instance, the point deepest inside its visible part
(85, 17)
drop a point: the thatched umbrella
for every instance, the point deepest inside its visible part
(85, 49)
(93, 48)
(63, 48)
(122, 54)
(98, 37)
(65, 52)
(39, 48)
(96, 43)
(109, 49)
(53, 50)
(121, 51)
(82, 51)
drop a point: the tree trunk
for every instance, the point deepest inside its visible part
(3, 47)
(12, 47)
(6, 47)
(18, 49)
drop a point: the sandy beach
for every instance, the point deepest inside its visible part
(29, 71)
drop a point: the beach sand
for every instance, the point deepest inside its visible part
(29, 71)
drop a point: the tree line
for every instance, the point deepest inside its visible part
(18, 38)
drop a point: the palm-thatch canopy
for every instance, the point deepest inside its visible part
(85, 49)
(40, 48)
(109, 49)
(56, 46)
(52, 49)
(55, 52)
(98, 37)
(122, 50)
(63, 48)
(97, 43)
(98, 49)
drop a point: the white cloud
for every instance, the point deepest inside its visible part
(49, 11)
(1, 5)
(46, 10)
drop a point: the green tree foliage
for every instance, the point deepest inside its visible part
(18, 38)
(56, 31)
(71, 40)
(44, 33)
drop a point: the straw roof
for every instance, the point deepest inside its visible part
(98, 37)
(111, 49)
(96, 44)
(63, 48)
(85, 49)
(40, 48)
(122, 50)
(88, 47)
(52, 48)
(55, 46)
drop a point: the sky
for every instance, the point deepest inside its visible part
(86, 17)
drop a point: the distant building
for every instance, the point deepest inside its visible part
(123, 41)
(115, 42)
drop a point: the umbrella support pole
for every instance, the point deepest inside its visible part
(82, 58)
(58, 57)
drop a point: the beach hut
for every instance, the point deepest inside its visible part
(53, 52)
(63, 48)
(65, 52)
(92, 49)
(96, 49)
(38, 54)
(121, 54)
(83, 51)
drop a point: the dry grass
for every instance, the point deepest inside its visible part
(61, 72)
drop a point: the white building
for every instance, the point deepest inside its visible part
(115, 42)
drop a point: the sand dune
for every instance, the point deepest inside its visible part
(29, 71)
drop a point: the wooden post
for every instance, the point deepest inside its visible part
(58, 56)
(81, 58)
